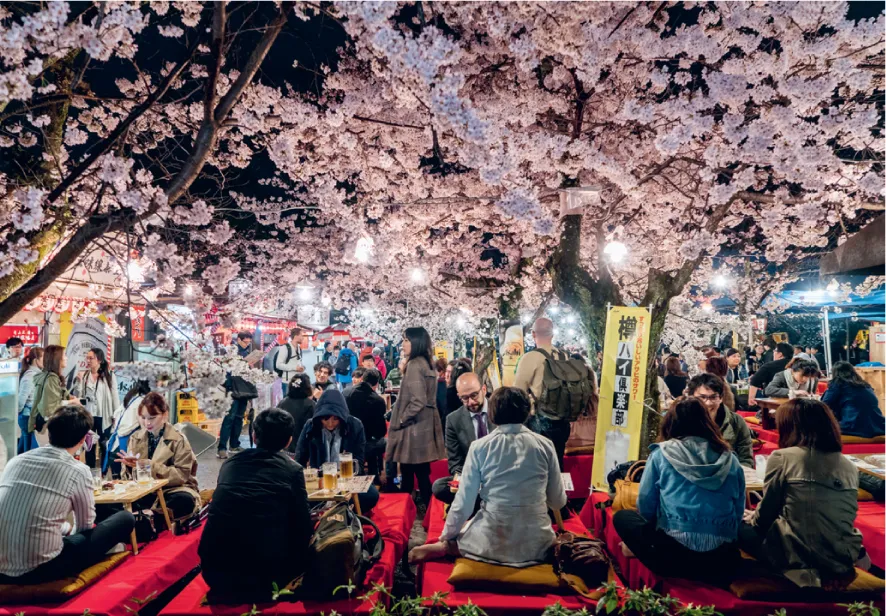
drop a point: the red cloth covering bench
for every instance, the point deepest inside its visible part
(158, 565)
(852, 449)
(636, 575)
(189, 601)
(579, 467)
(870, 521)
(394, 515)
(432, 577)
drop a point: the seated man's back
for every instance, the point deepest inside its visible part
(259, 525)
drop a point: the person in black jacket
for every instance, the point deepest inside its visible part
(299, 403)
(259, 525)
(332, 431)
(370, 409)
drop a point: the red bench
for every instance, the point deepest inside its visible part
(433, 576)
(636, 575)
(394, 515)
(158, 565)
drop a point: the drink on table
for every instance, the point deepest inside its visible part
(96, 482)
(311, 479)
(143, 471)
(330, 476)
(347, 465)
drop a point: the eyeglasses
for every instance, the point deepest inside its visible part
(470, 397)
(705, 398)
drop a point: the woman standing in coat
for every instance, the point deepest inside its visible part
(32, 365)
(415, 437)
(298, 403)
(49, 388)
(98, 386)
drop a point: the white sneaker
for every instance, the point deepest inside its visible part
(222, 454)
(117, 549)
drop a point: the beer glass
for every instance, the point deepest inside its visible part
(97, 481)
(143, 471)
(330, 476)
(347, 465)
(311, 477)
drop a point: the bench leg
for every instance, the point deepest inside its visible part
(128, 507)
(165, 510)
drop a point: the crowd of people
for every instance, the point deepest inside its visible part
(504, 449)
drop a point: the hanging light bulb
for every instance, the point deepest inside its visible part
(707, 307)
(720, 281)
(304, 293)
(188, 291)
(554, 309)
(616, 251)
(417, 275)
(570, 318)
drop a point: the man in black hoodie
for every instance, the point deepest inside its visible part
(370, 409)
(331, 432)
(259, 526)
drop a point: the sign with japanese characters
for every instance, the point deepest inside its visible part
(622, 391)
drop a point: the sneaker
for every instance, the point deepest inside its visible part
(236, 449)
(222, 454)
(117, 549)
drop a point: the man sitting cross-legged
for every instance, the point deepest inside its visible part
(259, 526)
(39, 490)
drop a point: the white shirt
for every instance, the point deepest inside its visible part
(516, 474)
(38, 490)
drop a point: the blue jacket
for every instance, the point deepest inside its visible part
(688, 487)
(311, 451)
(856, 408)
(347, 378)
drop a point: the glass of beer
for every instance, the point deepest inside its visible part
(143, 471)
(347, 465)
(97, 481)
(330, 476)
(311, 477)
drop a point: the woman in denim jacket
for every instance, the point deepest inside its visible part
(691, 500)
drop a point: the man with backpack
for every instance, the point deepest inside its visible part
(288, 362)
(559, 387)
(345, 365)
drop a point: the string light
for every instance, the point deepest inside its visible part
(553, 310)
(189, 291)
(417, 275)
(721, 281)
(570, 318)
(304, 293)
(616, 251)
(707, 307)
(325, 301)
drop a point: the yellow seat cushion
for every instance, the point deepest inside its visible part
(206, 495)
(777, 588)
(59, 590)
(580, 451)
(538, 579)
(859, 440)
(864, 496)
(752, 420)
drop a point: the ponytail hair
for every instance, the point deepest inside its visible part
(104, 371)
(33, 354)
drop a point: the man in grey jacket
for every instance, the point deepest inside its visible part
(463, 427)
(801, 378)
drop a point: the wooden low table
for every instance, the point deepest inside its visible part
(136, 491)
(862, 464)
(343, 495)
(770, 405)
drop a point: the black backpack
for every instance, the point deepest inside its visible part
(343, 363)
(340, 553)
(288, 357)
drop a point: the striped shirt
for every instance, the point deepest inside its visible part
(38, 491)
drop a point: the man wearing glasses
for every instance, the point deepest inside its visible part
(463, 427)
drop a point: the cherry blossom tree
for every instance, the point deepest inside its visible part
(441, 139)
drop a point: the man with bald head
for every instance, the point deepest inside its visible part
(530, 378)
(469, 423)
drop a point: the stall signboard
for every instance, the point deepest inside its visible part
(30, 334)
(511, 351)
(138, 325)
(622, 391)
(443, 350)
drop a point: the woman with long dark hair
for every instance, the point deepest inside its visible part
(805, 525)
(32, 365)
(691, 500)
(459, 367)
(125, 424)
(299, 403)
(98, 386)
(415, 437)
(674, 376)
(49, 388)
(854, 403)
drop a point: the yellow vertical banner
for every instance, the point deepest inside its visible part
(622, 391)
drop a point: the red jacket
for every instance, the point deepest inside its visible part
(380, 364)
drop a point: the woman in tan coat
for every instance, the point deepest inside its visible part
(415, 437)
(170, 454)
